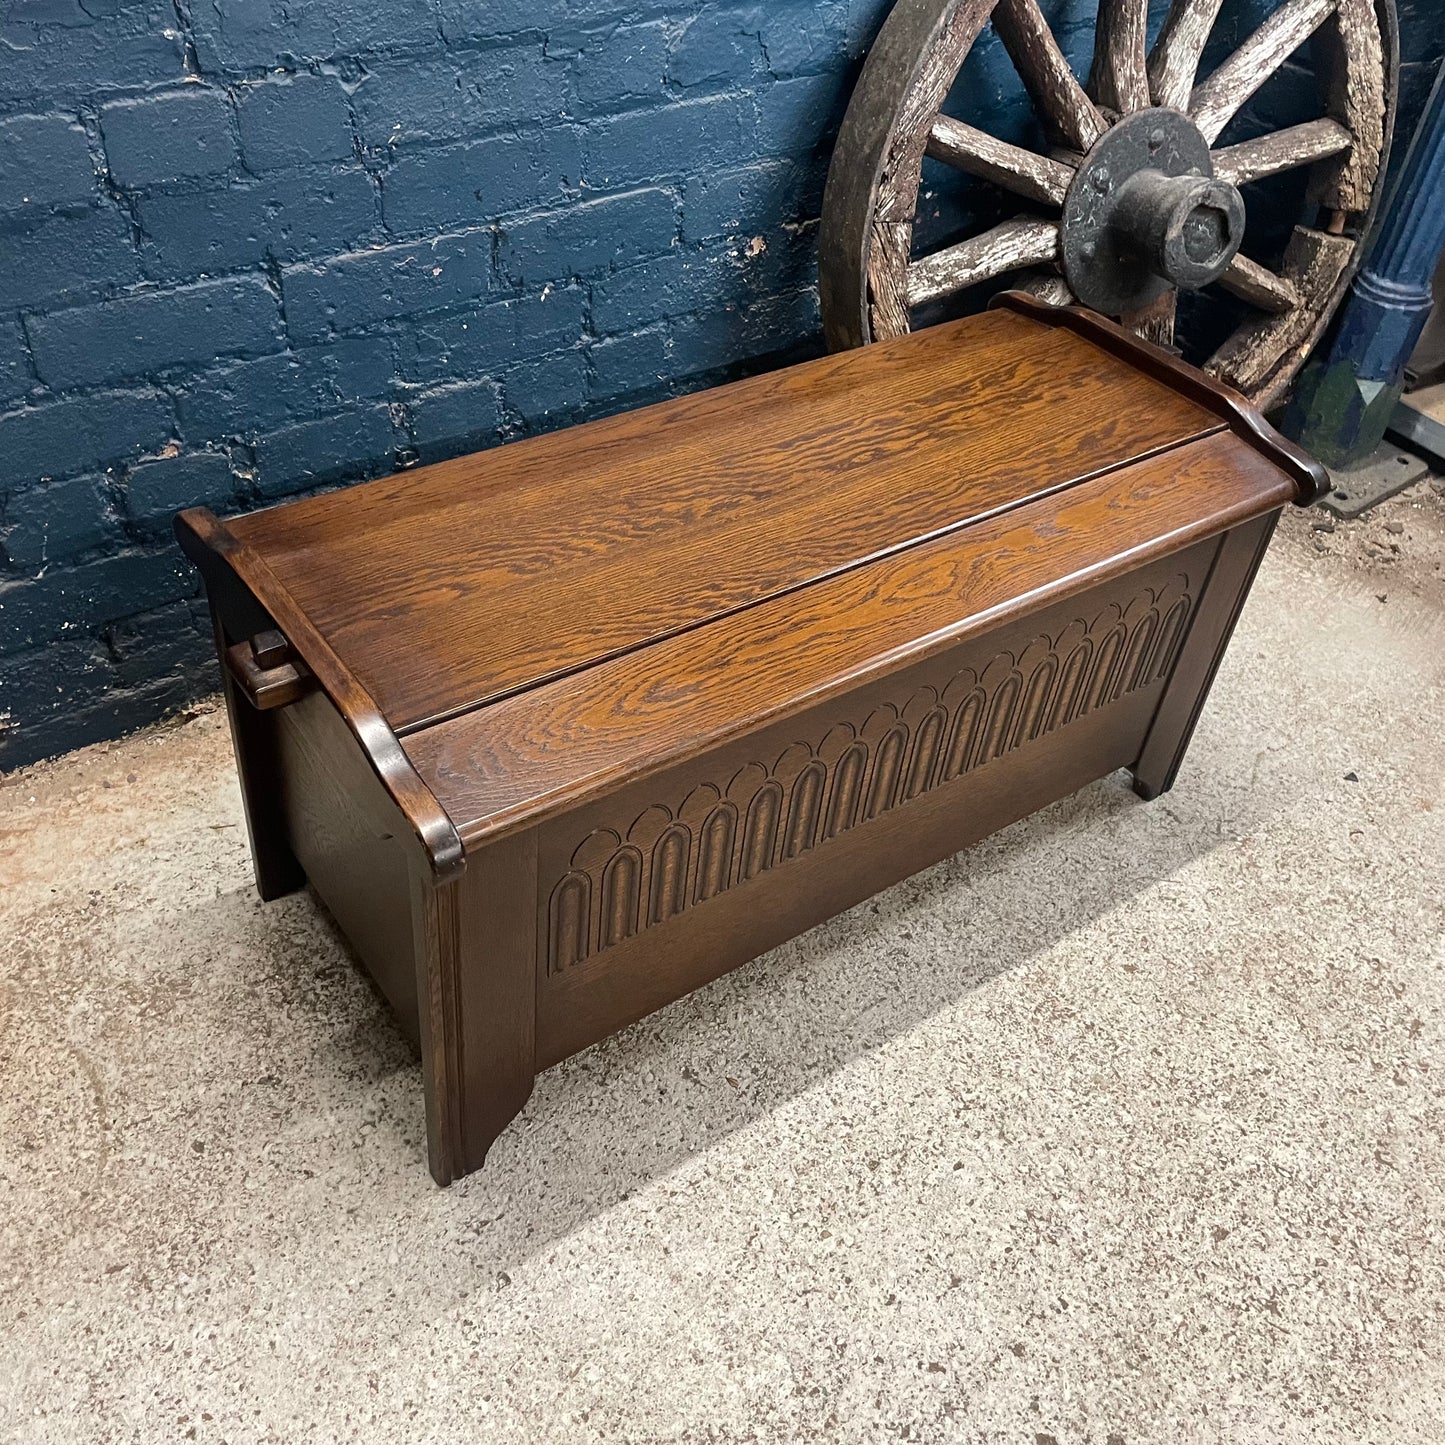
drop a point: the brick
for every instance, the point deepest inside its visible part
(156, 490)
(483, 342)
(464, 20)
(155, 331)
(44, 159)
(589, 236)
(740, 200)
(80, 432)
(90, 594)
(803, 37)
(401, 100)
(33, 681)
(266, 33)
(567, 41)
(369, 286)
(66, 255)
(251, 397)
(167, 137)
(15, 376)
(786, 262)
(672, 285)
(52, 523)
(451, 420)
(634, 364)
(47, 12)
(58, 66)
(333, 448)
(726, 335)
(469, 185)
(294, 121)
(625, 63)
(78, 715)
(801, 116)
(360, 26)
(547, 391)
(38, 688)
(282, 218)
(717, 46)
(168, 641)
(243, 37)
(670, 141)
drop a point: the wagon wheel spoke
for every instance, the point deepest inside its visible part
(1047, 286)
(1154, 322)
(1281, 150)
(1260, 286)
(1215, 100)
(1174, 60)
(1256, 358)
(1006, 247)
(975, 152)
(1118, 78)
(1056, 93)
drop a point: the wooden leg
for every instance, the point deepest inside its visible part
(1240, 552)
(477, 996)
(253, 737)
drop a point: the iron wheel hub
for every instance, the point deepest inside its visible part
(1145, 214)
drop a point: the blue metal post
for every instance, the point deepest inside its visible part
(1343, 404)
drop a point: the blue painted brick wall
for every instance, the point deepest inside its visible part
(253, 247)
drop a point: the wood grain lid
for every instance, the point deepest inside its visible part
(448, 587)
(561, 744)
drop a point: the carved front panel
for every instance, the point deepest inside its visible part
(719, 832)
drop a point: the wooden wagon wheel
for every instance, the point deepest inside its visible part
(1133, 199)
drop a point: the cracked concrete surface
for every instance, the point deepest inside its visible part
(1124, 1126)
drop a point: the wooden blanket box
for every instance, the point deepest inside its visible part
(563, 730)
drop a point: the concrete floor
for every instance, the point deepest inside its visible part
(1125, 1126)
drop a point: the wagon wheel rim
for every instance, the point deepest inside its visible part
(870, 281)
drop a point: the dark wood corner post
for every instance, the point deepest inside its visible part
(253, 739)
(476, 952)
(1241, 550)
(236, 618)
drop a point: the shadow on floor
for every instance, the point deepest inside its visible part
(633, 1108)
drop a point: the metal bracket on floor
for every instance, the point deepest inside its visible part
(1387, 470)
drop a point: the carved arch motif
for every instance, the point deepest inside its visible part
(724, 834)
